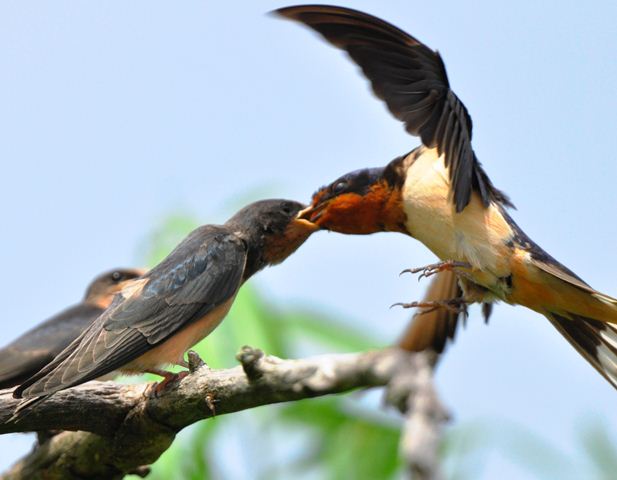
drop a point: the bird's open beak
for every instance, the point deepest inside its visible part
(305, 224)
(312, 213)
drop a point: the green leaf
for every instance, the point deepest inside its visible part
(370, 444)
(164, 238)
(327, 331)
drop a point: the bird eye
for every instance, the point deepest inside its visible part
(116, 276)
(340, 186)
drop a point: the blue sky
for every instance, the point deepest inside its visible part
(115, 114)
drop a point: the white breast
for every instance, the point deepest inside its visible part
(476, 235)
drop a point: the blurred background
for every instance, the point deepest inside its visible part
(126, 124)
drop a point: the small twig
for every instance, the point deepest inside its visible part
(195, 361)
(249, 358)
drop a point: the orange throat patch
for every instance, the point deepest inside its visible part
(279, 248)
(379, 210)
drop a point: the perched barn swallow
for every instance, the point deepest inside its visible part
(26, 355)
(158, 317)
(440, 194)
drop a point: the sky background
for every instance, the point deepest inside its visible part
(116, 114)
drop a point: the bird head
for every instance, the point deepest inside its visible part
(361, 202)
(103, 288)
(272, 230)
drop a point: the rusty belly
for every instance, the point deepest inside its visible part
(171, 351)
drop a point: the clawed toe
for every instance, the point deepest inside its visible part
(169, 379)
(454, 305)
(432, 269)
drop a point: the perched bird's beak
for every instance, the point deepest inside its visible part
(310, 214)
(315, 210)
(305, 223)
(135, 273)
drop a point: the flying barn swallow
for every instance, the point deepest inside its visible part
(26, 355)
(158, 317)
(440, 194)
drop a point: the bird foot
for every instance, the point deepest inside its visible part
(454, 305)
(193, 363)
(168, 379)
(434, 268)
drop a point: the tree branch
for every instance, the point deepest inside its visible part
(124, 427)
(414, 392)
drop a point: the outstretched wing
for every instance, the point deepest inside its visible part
(411, 78)
(203, 272)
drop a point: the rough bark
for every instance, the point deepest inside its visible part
(112, 429)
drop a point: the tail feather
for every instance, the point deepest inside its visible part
(593, 339)
(573, 296)
(610, 336)
(586, 317)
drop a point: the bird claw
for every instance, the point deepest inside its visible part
(434, 268)
(170, 378)
(454, 305)
(193, 364)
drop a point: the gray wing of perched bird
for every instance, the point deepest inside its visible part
(203, 272)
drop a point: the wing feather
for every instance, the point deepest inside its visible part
(203, 272)
(412, 80)
(30, 352)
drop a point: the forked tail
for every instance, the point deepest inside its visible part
(594, 340)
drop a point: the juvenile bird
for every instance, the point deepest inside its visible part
(30, 352)
(156, 318)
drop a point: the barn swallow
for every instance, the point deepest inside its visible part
(158, 317)
(26, 355)
(440, 194)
